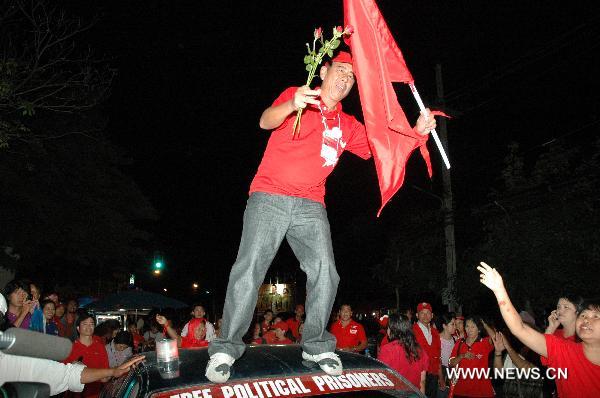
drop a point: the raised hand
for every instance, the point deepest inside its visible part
(498, 341)
(490, 277)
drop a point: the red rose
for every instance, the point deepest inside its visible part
(318, 33)
(349, 30)
(339, 29)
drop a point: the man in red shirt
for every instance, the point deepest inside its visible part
(429, 340)
(349, 334)
(287, 201)
(295, 322)
(90, 350)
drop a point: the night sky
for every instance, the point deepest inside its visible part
(194, 77)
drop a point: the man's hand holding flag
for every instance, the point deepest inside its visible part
(378, 62)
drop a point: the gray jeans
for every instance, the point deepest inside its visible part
(267, 220)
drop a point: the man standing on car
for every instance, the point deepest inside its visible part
(287, 201)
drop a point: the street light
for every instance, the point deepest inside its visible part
(195, 285)
(158, 263)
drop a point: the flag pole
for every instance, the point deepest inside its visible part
(433, 132)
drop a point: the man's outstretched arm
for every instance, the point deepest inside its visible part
(528, 336)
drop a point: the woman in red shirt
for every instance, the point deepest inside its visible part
(89, 350)
(581, 360)
(403, 353)
(472, 353)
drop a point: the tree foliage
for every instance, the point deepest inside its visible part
(538, 227)
(414, 267)
(541, 225)
(43, 70)
(70, 216)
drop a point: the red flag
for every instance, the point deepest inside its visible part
(377, 62)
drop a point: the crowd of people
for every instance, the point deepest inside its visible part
(422, 346)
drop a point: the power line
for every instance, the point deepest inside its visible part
(539, 74)
(528, 58)
(492, 165)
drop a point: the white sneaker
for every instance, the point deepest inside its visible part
(328, 361)
(218, 367)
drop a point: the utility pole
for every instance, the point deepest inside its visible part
(449, 294)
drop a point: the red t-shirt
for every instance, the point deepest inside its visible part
(93, 356)
(433, 350)
(190, 340)
(394, 356)
(560, 333)
(137, 340)
(293, 166)
(69, 328)
(583, 377)
(59, 326)
(193, 343)
(350, 335)
(294, 326)
(474, 387)
(383, 342)
(271, 338)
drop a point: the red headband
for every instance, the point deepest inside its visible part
(344, 57)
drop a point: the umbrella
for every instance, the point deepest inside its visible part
(134, 300)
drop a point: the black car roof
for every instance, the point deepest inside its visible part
(258, 363)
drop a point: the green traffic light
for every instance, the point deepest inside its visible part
(158, 265)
